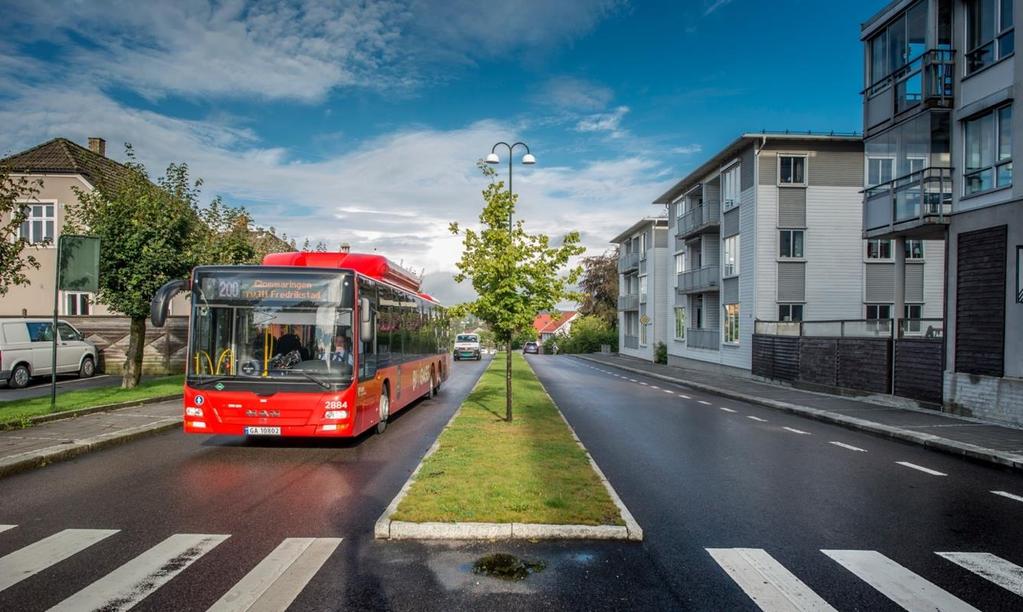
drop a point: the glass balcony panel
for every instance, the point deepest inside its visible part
(703, 338)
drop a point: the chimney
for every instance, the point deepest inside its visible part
(98, 146)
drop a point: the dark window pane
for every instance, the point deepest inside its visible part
(1005, 175)
(944, 24)
(878, 58)
(1005, 22)
(798, 164)
(786, 244)
(897, 44)
(786, 169)
(797, 244)
(1005, 133)
(916, 30)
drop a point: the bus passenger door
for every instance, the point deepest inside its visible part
(367, 387)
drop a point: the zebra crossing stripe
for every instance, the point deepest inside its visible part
(897, 583)
(767, 582)
(129, 584)
(6, 527)
(40, 555)
(1007, 575)
(279, 578)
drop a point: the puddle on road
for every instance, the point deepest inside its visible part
(507, 567)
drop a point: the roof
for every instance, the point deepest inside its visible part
(374, 266)
(879, 18)
(740, 143)
(556, 323)
(541, 321)
(62, 156)
(657, 222)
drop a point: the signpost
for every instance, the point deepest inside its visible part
(77, 270)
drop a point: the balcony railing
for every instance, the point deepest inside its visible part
(699, 219)
(697, 281)
(929, 77)
(630, 342)
(628, 302)
(628, 262)
(922, 198)
(703, 338)
(854, 328)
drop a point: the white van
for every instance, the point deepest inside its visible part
(26, 347)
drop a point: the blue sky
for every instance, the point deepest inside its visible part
(361, 121)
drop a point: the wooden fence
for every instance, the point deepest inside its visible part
(164, 351)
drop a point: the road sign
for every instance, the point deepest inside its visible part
(77, 270)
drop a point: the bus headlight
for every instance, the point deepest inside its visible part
(335, 415)
(193, 412)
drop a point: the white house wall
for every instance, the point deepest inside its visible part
(833, 250)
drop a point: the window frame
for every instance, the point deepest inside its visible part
(729, 270)
(806, 169)
(44, 244)
(909, 250)
(65, 302)
(1000, 35)
(879, 241)
(792, 244)
(733, 175)
(731, 324)
(996, 164)
(790, 306)
(680, 332)
(878, 306)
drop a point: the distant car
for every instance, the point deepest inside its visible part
(467, 346)
(531, 347)
(26, 350)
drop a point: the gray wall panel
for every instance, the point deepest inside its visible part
(880, 283)
(836, 168)
(730, 291)
(730, 223)
(746, 171)
(768, 169)
(792, 207)
(914, 282)
(791, 281)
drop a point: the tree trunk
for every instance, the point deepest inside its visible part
(508, 385)
(133, 359)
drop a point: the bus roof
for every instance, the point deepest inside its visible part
(377, 267)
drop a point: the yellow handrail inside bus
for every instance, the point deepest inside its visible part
(212, 370)
(267, 350)
(229, 354)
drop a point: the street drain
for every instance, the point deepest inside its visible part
(507, 567)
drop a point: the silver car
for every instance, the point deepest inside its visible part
(26, 347)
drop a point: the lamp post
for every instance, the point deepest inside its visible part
(527, 160)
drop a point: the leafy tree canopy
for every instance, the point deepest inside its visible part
(14, 262)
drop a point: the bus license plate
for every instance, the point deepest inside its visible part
(262, 431)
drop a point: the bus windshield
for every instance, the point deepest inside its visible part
(268, 325)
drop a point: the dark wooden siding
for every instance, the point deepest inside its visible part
(980, 302)
(919, 367)
(818, 359)
(865, 364)
(786, 358)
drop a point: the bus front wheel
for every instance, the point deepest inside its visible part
(385, 411)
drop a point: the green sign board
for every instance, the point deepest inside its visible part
(79, 263)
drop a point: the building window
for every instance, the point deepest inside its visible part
(680, 323)
(792, 169)
(879, 170)
(731, 262)
(730, 191)
(77, 304)
(988, 151)
(912, 313)
(680, 263)
(879, 249)
(791, 243)
(914, 249)
(642, 288)
(898, 44)
(989, 33)
(38, 227)
(878, 312)
(731, 324)
(790, 312)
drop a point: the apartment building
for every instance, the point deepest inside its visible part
(642, 287)
(938, 109)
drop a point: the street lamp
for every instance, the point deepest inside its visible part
(527, 160)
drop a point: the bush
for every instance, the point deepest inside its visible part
(588, 334)
(548, 346)
(661, 353)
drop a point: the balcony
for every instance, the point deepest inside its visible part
(628, 262)
(699, 281)
(924, 82)
(914, 206)
(630, 342)
(628, 302)
(703, 339)
(699, 219)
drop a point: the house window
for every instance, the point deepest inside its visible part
(879, 249)
(913, 313)
(680, 263)
(77, 304)
(731, 256)
(791, 243)
(642, 333)
(792, 169)
(988, 151)
(38, 227)
(790, 312)
(879, 170)
(989, 33)
(898, 44)
(680, 323)
(730, 192)
(914, 249)
(731, 324)
(878, 312)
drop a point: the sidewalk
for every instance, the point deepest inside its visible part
(947, 433)
(39, 445)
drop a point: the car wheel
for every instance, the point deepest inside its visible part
(385, 411)
(88, 368)
(19, 377)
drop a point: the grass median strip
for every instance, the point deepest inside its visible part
(487, 470)
(14, 413)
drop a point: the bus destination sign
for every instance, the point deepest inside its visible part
(272, 288)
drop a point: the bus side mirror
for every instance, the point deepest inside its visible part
(366, 329)
(162, 299)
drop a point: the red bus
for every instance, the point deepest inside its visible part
(307, 344)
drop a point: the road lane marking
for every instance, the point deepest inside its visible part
(654, 387)
(797, 431)
(705, 403)
(669, 392)
(896, 582)
(279, 578)
(684, 396)
(725, 409)
(757, 419)
(848, 446)
(1002, 493)
(632, 380)
(921, 468)
(36, 557)
(6, 527)
(767, 582)
(1007, 575)
(129, 584)
(643, 383)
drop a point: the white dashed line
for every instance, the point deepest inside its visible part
(705, 403)
(633, 380)
(797, 431)
(669, 392)
(725, 409)
(848, 446)
(921, 468)
(684, 396)
(654, 387)
(643, 383)
(1008, 495)
(757, 419)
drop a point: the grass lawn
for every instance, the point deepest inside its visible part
(16, 412)
(489, 471)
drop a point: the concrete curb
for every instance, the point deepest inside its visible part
(962, 449)
(62, 452)
(70, 414)
(385, 528)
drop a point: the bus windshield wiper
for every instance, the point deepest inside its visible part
(316, 380)
(202, 382)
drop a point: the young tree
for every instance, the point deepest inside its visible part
(14, 262)
(599, 287)
(148, 234)
(515, 274)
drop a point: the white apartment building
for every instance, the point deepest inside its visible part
(642, 287)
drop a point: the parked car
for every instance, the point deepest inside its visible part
(467, 346)
(531, 347)
(26, 350)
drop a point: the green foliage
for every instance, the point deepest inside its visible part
(661, 353)
(599, 287)
(521, 338)
(588, 334)
(549, 344)
(14, 262)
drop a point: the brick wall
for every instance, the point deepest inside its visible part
(985, 397)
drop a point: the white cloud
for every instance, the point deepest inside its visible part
(690, 149)
(573, 95)
(604, 122)
(715, 5)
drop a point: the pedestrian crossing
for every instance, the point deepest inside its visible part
(775, 589)
(273, 584)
